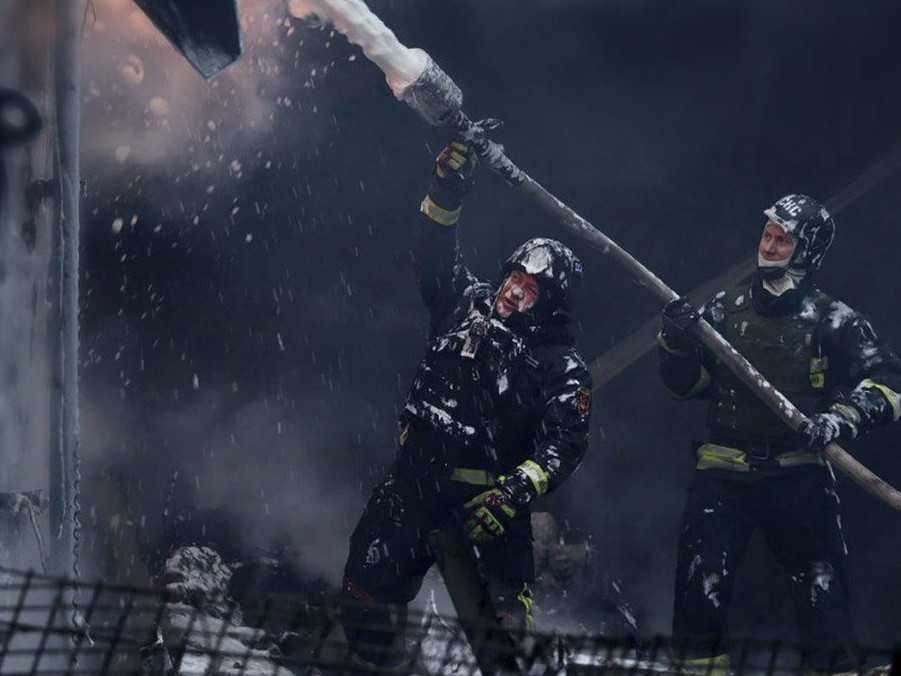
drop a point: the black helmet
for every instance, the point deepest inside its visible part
(557, 269)
(809, 223)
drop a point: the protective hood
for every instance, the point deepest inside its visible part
(558, 272)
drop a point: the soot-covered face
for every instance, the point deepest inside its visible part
(519, 293)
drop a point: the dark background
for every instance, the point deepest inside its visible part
(249, 334)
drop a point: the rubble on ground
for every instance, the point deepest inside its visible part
(201, 628)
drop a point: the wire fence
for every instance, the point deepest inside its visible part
(130, 630)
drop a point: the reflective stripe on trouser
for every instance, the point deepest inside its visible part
(798, 514)
(716, 456)
(525, 599)
(514, 608)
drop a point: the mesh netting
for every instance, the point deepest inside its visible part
(130, 630)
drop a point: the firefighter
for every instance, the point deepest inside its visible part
(497, 416)
(753, 472)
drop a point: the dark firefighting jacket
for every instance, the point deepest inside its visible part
(489, 394)
(819, 353)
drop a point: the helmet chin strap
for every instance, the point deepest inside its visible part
(777, 276)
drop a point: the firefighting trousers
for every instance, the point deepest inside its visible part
(391, 551)
(799, 517)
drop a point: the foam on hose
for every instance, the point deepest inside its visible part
(401, 65)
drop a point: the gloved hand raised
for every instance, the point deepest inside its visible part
(679, 320)
(454, 174)
(839, 424)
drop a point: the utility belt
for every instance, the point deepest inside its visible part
(753, 456)
(424, 452)
(474, 477)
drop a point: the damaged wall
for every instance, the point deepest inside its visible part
(26, 240)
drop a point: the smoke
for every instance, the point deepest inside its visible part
(145, 105)
(182, 221)
(259, 464)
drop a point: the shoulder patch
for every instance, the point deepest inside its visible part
(583, 401)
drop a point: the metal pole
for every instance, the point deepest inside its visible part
(68, 92)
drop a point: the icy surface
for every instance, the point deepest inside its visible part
(217, 647)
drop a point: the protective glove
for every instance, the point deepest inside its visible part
(839, 424)
(488, 514)
(679, 320)
(454, 174)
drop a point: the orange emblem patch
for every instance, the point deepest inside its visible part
(583, 401)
